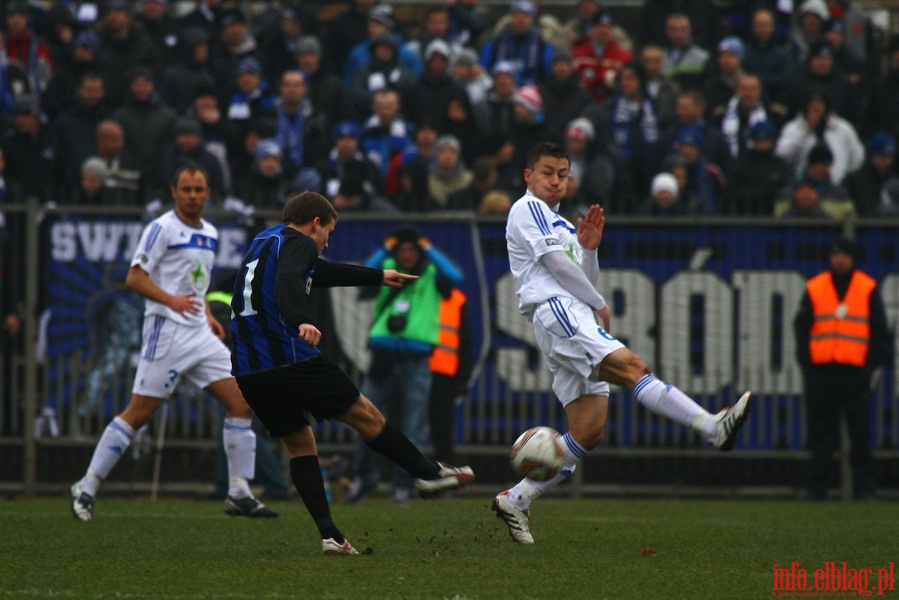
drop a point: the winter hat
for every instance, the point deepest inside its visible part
(844, 246)
(88, 38)
(838, 26)
(762, 131)
(529, 97)
(26, 105)
(688, 135)
(233, 16)
(524, 6)
(17, 8)
(495, 202)
(467, 57)
(820, 48)
(267, 147)
(664, 182)
(96, 166)
(562, 56)
(249, 65)
(504, 66)
(387, 39)
(815, 7)
(734, 45)
(881, 143)
(820, 155)
(447, 140)
(187, 126)
(383, 14)
(121, 5)
(346, 129)
(406, 233)
(581, 128)
(437, 47)
(309, 44)
(307, 178)
(603, 17)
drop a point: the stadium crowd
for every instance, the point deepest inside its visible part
(702, 108)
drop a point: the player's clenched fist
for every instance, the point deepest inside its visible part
(310, 334)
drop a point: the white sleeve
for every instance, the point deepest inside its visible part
(534, 228)
(151, 247)
(572, 279)
(590, 265)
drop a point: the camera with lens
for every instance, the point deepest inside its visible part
(396, 323)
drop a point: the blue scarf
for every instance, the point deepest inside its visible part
(290, 135)
(633, 126)
(7, 98)
(525, 56)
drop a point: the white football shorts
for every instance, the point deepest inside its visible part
(573, 346)
(170, 350)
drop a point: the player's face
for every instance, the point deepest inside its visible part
(190, 192)
(548, 180)
(321, 234)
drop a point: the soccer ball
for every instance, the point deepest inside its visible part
(538, 453)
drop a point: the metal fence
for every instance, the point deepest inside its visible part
(708, 304)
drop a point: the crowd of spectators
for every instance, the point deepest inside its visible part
(701, 108)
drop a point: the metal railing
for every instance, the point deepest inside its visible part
(708, 303)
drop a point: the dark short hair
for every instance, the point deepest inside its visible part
(302, 208)
(546, 149)
(189, 167)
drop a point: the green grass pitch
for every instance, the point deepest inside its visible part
(453, 549)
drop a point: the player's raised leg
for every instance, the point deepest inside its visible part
(624, 367)
(431, 478)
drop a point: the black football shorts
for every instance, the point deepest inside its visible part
(285, 397)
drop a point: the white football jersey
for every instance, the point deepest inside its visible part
(178, 258)
(532, 230)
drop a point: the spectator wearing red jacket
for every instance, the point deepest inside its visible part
(598, 58)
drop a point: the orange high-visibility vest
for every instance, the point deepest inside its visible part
(445, 357)
(840, 333)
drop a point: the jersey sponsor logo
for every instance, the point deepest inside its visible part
(199, 278)
(551, 242)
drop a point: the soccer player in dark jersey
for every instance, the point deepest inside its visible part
(283, 375)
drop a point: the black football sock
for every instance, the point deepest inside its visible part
(306, 474)
(393, 444)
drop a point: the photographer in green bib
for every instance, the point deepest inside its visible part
(404, 332)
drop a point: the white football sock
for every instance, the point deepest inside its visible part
(668, 401)
(239, 440)
(527, 490)
(110, 447)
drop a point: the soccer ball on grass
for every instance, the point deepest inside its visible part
(538, 453)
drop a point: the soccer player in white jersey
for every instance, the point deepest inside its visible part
(555, 269)
(171, 270)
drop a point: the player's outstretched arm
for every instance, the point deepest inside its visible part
(590, 226)
(394, 278)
